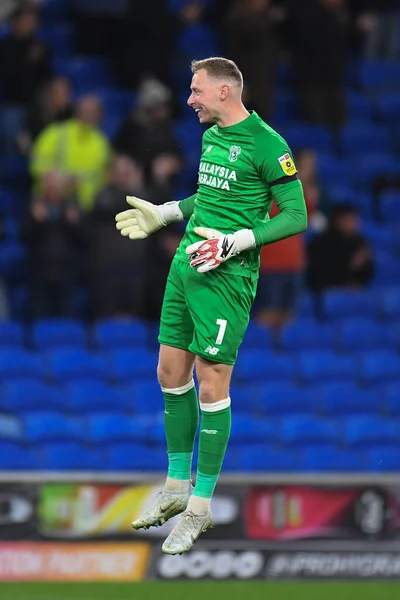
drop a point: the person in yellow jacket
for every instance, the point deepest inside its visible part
(77, 149)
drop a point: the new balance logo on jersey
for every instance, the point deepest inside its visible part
(209, 431)
(211, 350)
(209, 148)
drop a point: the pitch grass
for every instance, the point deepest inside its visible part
(325, 590)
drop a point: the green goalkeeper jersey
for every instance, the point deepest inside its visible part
(242, 169)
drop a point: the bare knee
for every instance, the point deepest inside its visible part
(214, 380)
(175, 367)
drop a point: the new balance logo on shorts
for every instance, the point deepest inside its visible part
(211, 350)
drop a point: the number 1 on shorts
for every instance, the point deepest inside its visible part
(222, 327)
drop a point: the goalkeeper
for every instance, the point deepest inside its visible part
(212, 284)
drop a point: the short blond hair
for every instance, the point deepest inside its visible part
(220, 68)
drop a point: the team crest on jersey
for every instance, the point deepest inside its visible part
(234, 152)
(287, 164)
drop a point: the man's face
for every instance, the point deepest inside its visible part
(207, 94)
(348, 223)
(89, 110)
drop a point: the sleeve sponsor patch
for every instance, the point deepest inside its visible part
(287, 164)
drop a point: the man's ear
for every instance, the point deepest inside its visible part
(224, 91)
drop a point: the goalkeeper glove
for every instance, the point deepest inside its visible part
(146, 218)
(205, 256)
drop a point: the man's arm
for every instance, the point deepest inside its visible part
(292, 218)
(187, 206)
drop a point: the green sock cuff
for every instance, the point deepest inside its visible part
(205, 485)
(180, 465)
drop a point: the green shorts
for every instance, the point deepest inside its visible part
(206, 313)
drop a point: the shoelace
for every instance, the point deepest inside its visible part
(186, 524)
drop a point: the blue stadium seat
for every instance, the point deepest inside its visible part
(281, 398)
(301, 430)
(88, 395)
(380, 237)
(391, 394)
(30, 394)
(131, 456)
(347, 398)
(387, 269)
(339, 304)
(257, 365)
(144, 396)
(249, 429)
(11, 334)
(332, 170)
(389, 301)
(388, 107)
(248, 396)
(380, 365)
(265, 458)
(15, 362)
(15, 456)
(64, 364)
(389, 206)
(370, 430)
(10, 428)
(85, 73)
(51, 426)
(257, 337)
(197, 36)
(357, 136)
(8, 202)
(363, 334)
(376, 164)
(379, 75)
(358, 106)
(330, 459)
(58, 456)
(60, 38)
(50, 333)
(306, 307)
(130, 364)
(308, 333)
(308, 136)
(150, 428)
(383, 458)
(188, 132)
(106, 427)
(322, 365)
(113, 333)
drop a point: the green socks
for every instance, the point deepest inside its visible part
(181, 419)
(215, 430)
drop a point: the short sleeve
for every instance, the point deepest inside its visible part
(274, 159)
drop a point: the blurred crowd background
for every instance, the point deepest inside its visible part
(93, 107)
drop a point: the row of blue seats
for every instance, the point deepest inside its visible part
(133, 456)
(144, 397)
(65, 364)
(275, 397)
(354, 333)
(295, 430)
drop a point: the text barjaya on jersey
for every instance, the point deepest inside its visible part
(215, 175)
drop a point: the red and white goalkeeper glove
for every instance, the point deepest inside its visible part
(218, 247)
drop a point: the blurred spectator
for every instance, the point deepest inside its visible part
(24, 66)
(281, 280)
(147, 133)
(56, 243)
(116, 266)
(77, 149)
(24, 60)
(379, 22)
(319, 35)
(317, 197)
(252, 43)
(340, 256)
(52, 105)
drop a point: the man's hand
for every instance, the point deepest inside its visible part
(205, 256)
(146, 218)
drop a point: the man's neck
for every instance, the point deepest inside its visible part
(233, 117)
